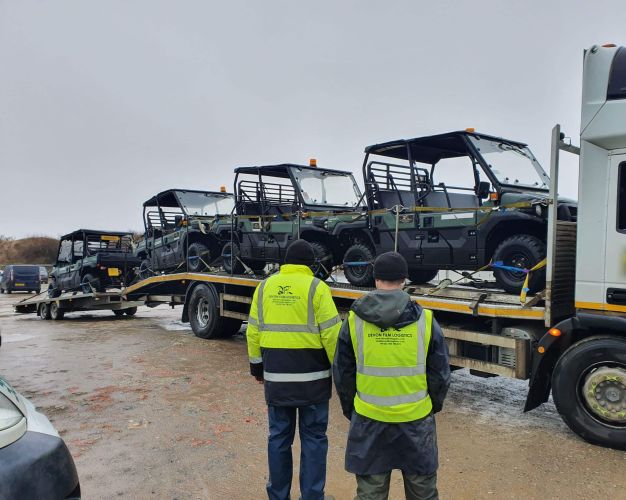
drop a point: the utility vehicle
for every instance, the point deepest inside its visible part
(276, 204)
(459, 200)
(91, 260)
(184, 230)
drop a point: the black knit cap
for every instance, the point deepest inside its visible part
(390, 266)
(300, 252)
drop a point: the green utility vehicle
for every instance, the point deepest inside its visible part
(92, 261)
(184, 230)
(276, 204)
(458, 201)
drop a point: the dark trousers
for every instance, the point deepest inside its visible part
(416, 487)
(312, 423)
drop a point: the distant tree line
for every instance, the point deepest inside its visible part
(31, 250)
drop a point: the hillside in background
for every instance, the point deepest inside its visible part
(32, 250)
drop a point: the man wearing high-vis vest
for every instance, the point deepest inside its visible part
(292, 335)
(392, 374)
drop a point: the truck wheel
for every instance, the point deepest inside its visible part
(197, 255)
(323, 260)
(56, 313)
(358, 262)
(523, 251)
(44, 311)
(421, 276)
(130, 311)
(118, 313)
(145, 269)
(204, 314)
(589, 390)
(230, 261)
(89, 283)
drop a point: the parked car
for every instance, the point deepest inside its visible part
(184, 230)
(92, 261)
(20, 278)
(268, 201)
(34, 460)
(439, 186)
(43, 275)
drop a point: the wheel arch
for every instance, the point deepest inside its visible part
(507, 228)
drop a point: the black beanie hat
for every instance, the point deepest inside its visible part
(390, 266)
(300, 252)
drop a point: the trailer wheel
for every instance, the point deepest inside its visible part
(323, 260)
(358, 262)
(421, 276)
(230, 259)
(130, 311)
(204, 314)
(44, 311)
(523, 251)
(589, 390)
(197, 255)
(56, 313)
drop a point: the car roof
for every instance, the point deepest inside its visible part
(430, 149)
(167, 198)
(282, 169)
(95, 231)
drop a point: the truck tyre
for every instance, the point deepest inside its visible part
(204, 315)
(44, 311)
(421, 276)
(589, 390)
(118, 313)
(323, 260)
(198, 256)
(230, 259)
(358, 265)
(89, 284)
(56, 313)
(130, 311)
(145, 269)
(523, 251)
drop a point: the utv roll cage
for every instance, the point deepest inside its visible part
(95, 241)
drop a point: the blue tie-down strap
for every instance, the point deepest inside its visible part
(500, 265)
(356, 263)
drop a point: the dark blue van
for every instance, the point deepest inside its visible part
(20, 278)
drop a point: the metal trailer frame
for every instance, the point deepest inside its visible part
(77, 301)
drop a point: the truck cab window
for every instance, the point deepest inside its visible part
(621, 198)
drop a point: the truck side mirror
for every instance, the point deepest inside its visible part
(484, 188)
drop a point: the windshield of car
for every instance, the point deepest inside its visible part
(512, 164)
(205, 204)
(327, 188)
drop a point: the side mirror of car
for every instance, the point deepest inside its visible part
(484, 188)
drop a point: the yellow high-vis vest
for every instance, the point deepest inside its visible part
(391, 369)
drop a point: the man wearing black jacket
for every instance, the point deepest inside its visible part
(392, 373)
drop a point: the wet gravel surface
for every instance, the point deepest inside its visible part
(150, 411)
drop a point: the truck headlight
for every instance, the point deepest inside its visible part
(9, 414)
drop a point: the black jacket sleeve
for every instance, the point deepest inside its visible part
(437, 367)
(344, 370)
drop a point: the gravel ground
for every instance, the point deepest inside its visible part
(150, 411)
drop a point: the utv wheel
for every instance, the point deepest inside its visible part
(198, 256)
(90, 284)
(421, 276)
(204, 315)
(230, 259)
(258, 266)
(358, 262)
(44, 311)
(118, 313)
(56, 313)
(323, 260)
(53, 291)
(145, 269)
(131, 311)
(523, 251)
(589, 390)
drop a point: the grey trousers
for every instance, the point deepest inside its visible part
(376, 487)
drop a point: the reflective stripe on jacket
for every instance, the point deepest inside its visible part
(292, 334)
(391, 383)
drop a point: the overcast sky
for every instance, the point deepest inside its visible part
(104, 103)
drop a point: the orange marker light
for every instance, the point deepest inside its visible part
(222, 188)
(493, 196)
(470, 130)
(609, 45)
(312, 162)
(541, 349)
(555, 332)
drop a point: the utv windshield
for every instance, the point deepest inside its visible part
(327, 188)
(205, 204)
(511, 164)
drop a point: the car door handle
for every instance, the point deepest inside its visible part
(616, 296)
